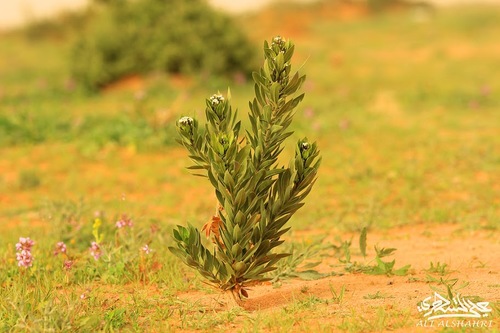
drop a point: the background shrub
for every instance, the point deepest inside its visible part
(130, 37)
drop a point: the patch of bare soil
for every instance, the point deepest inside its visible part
(471, 256)
(128, 83)
(294, 22)
(139, 82)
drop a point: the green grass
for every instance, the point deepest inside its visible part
(383, 320)
(406, 115)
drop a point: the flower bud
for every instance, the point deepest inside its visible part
(216, 99)
(224, 141)
(216, 103)
(305, 149)
(185, 124)
(279, 42)
(239, 267)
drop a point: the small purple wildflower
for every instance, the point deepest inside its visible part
(24, 258)
(146, 249)
(124, 221)
(23, 255)
(60, 248)
(25, 243)
(68, 264)
(95, 251)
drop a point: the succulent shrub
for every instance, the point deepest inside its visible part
(255, 196)
(129, 37)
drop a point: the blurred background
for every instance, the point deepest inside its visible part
(19, 12)
(402, 97)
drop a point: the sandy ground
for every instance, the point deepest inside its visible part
(17, 12)
(472, 256)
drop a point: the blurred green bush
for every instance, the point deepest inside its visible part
(176, 36)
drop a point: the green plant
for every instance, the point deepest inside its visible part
(298, 264)
(343, 251)
(29, 179)
(133, 37)
(382, 320)
(114, 318)
(450, 286)
(377, 295)
(67, 218)
(439, 268)
(386, 267)
(306, 303)
(255, 196)
(337, 297)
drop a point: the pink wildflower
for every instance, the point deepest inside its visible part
(25, 243)
(68, 264)
(146, 249)
(60, 248)
(23, 255)
(95, 251)
(125, 221)
(24, 258)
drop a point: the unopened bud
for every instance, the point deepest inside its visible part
(224, 141)
(305, 149)
(278, 41)
(186, 121)
(185, 124)
(216, 99)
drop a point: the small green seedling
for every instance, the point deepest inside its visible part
(337, 297)
(450, 285)
(439, 268)
(386, 267)
(377, 295)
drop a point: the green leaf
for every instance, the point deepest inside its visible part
(267, 70)
(196, 167)
(280, 61)
(177, 235)
(228, 180)
(276, 128)
(362, 242)
(275, 92)
(310, 275)
(236, 233)
(250, 252)
(219, 196)
(312, 264)
(177, 252)
(289, 53)
(402, 271)
(258, 79)
(236, 250)
(384, 252)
